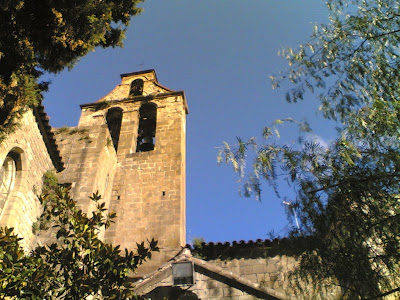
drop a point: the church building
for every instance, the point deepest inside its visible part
(130, 146)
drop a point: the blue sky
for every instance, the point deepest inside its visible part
(221, 53)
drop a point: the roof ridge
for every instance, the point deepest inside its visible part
(42, 120)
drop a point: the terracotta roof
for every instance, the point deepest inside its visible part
(248, 249)
(42, 120)
(150, 282)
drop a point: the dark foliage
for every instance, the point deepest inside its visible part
(49, 36)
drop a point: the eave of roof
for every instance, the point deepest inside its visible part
(142, 98)
(42, 121)
(140, 72)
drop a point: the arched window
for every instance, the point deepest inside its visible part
(8, 172)
(136, 88)
(147, 127)
(114, 119)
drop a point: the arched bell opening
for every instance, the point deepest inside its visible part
(136, 87)
(147, 127)
(114, 120)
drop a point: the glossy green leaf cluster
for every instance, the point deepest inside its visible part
(78, 264)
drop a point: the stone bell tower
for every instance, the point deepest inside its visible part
(135, 156)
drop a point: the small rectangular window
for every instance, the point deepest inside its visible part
(183, 273)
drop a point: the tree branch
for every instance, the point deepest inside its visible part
(384, 294)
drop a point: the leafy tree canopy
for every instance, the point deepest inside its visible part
(78, 264)
(347, 194)
(48, 36)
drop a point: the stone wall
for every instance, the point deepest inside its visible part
(90, 162)
(238, 279)
(220, 279)
(21, 207)
(205, 288)
(273, 273)
(266, 263)
(149, 187)
(145, 189)
(267, 272)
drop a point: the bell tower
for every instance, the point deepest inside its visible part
(138, 156)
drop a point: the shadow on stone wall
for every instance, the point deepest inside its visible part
(170, 293)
